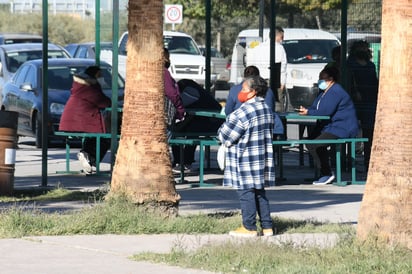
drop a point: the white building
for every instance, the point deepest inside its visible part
(84, 8)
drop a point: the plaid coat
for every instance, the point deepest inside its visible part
(247, 133)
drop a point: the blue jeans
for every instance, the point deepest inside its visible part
(252, 201)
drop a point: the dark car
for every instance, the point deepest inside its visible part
(12, 56)
(23, 93)
(87, 50)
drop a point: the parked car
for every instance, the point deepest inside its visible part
(12, 56)
(14, 38)
(187, 62)
(218, 64)
(24, 92)
(87, 50)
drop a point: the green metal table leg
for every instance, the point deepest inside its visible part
(338, 166)
(97, 155)
(67, 156)
(353, 165)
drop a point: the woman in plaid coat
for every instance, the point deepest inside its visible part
(247, 134)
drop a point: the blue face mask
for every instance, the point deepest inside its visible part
(322, 84)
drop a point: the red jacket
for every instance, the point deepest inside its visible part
(82, 112)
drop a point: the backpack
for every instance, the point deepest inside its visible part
(170, 111)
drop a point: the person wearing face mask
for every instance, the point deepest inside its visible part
(247, 133)
(363, 87)
(335, 102)
(83, 113)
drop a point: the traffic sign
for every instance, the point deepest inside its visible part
(173, 14)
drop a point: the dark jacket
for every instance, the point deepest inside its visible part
(363, 88)
(337, 104)
(82, 112)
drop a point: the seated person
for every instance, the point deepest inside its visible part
(82, 113)
(194, 97)
(335, 102)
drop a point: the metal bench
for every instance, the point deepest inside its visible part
(337, 142)
(204, 143)
(82, 135)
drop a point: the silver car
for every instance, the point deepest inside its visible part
(12, 56)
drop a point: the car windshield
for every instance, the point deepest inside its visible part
(181, 44)
(309, 51)
(15, 59)
(213, 52)
(61, 78)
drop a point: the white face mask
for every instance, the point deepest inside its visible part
(322, 84)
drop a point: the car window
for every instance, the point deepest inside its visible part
(122, 45)
(309, 51)
(31, 76)
(106, 73)
(22, 40)
(82, 52)
(20, 75)
(15, 59)
(61, 78)
(181, 44)
(213, 52)
(56, 54)
(13, 63)
(71, 49)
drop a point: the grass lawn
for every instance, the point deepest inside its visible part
(118, 216)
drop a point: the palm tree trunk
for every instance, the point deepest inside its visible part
(142, 170)
(386, 210)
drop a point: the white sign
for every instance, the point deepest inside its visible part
(173, 14)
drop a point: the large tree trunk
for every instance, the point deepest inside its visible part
(386, 211)
(142, 170)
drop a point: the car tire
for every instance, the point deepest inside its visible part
(285, 101)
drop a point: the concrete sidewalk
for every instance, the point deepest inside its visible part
(110, 253)
(293, 198)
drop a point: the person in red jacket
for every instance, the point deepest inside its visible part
(83, 113)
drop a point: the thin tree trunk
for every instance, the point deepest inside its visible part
(386, 210)
(142, 170)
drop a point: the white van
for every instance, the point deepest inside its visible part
(244, 40)
(307, 50)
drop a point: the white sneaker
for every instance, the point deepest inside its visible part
(324, 180)
(84, 160)
(186, 169)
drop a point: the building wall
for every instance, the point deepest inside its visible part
(84, 8)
